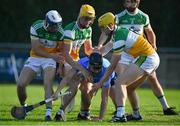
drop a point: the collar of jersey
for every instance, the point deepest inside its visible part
(136, 11)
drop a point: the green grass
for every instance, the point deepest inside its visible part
(149, 106)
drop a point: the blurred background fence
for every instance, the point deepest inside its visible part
(168, 71)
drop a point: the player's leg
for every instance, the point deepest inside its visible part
(29, 71)
(73, 88)
(49, 75)
(134, 99)
(63, 72)
(124, 62)
(142, 66)
(133, 72)
(49, 70)
(149, 64)
(70, 107)
(85, 100)
(26, 76)
(120, 68)
(159, 93)
(132, 95)
(127, 59)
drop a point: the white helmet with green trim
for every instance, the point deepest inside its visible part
(53, 20)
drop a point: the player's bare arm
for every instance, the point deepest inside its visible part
(75, 64)
(151, 36)
(64, 81)
(37, 48)
(106, 48)
(102, 39)
(88, 47)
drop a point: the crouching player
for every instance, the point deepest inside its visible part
(97, 66)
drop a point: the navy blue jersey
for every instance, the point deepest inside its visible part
(96, 78)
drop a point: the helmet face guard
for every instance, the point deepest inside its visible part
(50, 23)
(95, 68)
(53, 21)
(95, 62)
(51, 26)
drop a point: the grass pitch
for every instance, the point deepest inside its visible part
(149, 106)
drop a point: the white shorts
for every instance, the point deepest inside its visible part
(37, 64)
(126, 58)
(148, 63)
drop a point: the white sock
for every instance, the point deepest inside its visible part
(60, 111)
(163, 102)
(120, 111)
(48, 111)
(25, 105)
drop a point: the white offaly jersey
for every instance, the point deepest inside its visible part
(136, 22)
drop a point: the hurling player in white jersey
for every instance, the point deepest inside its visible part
(76, 34)
(45, 36)
(146, 60)
(136, 20)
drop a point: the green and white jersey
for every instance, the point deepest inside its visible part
(47, 39)
(119, 39)
(72, 33)
(130, 42)
(136, 22)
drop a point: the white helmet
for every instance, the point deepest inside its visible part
(53, 17)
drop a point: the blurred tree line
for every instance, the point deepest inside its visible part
(17, 17)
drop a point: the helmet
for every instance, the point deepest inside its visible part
(87, 11)
(106, 19)
(96, 60)
(53, 18)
